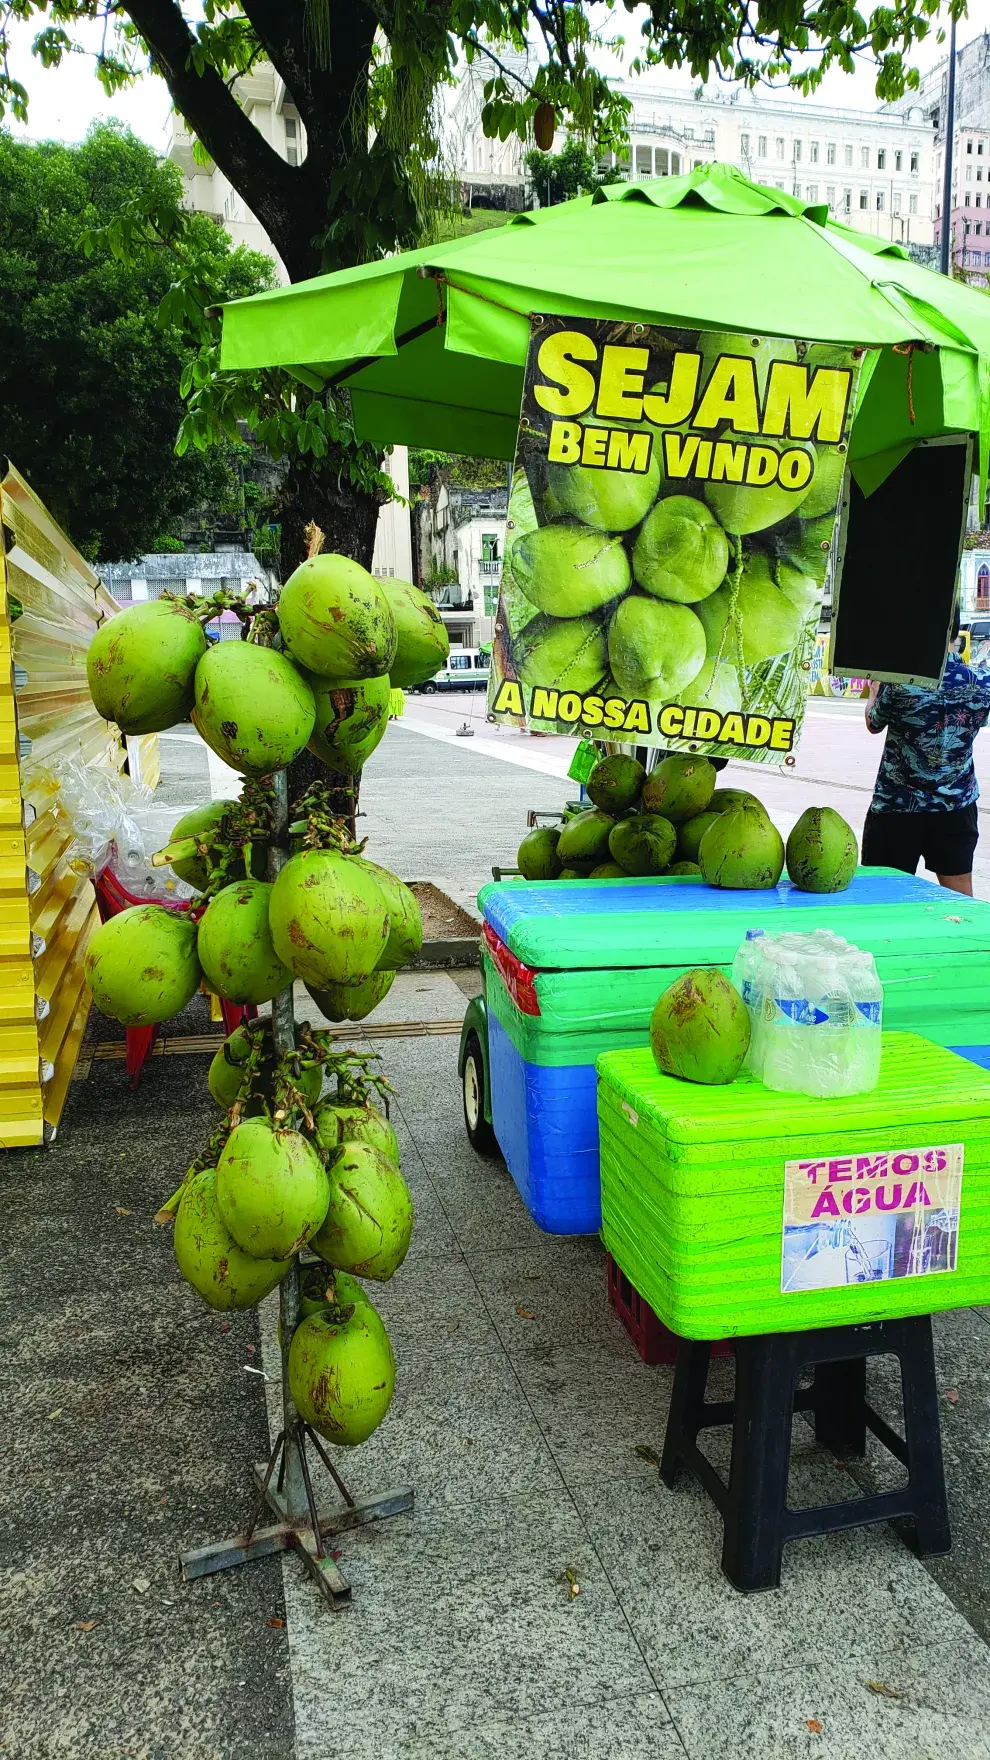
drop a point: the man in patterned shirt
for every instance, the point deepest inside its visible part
(924, 800)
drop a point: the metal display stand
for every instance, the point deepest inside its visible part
(285, 1487)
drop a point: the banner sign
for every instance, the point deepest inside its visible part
(863, 1218)
(674, 498)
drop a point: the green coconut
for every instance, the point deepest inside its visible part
(351, 720)
(610, 501)
(681, 551)
(405, 932)
(743, 850)
(329, 919)
(826, 484)
(608, 871)
(585, 837)
(253, 708)
(227, 1069)
(715, 687)
(423, 643)
(342, 1373)
(569, 654)
(700, 1028)
(769, 621)
(336, 620)
(272, 1189)
(741, 508)
(208, 1256)
(369, 1221)
(321, 1290)
(654, 646)
(536, 857)
(683, 869)
(338, 1122)
(690, 833)
(616, 783)
(724, 798)
(235, 945)
(644, 844)
(197, 870)
(821, 851)
(583, 872)
(567, 571)
(141, 965)
(351, 1002)
(141, 664)
(679, 787)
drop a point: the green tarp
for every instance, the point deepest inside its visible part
(431, 343)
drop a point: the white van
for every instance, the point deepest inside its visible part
(466, 670)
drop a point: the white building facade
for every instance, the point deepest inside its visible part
(264, 99)
(874, 169)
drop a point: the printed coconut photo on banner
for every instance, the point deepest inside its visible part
(677, 497)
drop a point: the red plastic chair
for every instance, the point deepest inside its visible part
(112, 897)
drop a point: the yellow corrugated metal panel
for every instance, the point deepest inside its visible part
(51, 604)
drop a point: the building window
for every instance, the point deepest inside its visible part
(978, 228)
(969, 146)
(159, 584)
(965, 230)
(797, 152)
(830, 195)
(882, 160)
(969, 174)
(979, 147)
(780, 146)
(895, 202)
(983, 587)
(744, 144)
(864, 158)
(489, 547)
(979, 173)
(979, 201)
(812, 192)
(914, 161)
(675, 164)
(813, 152)
(847, 155)
(644, 161)
(880, 201)
(898, 158)
(912, 204)
(796, 189)
(830, 153)
(761, 146)
(847, 201)
(291, 140)
(663, 162)
(689, 134)
(864, 198)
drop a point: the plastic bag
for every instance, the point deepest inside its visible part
(115, 824)
(816, 1009)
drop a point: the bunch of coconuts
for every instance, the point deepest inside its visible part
(675, 821)
(287, 1170)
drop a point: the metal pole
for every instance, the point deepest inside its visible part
(284, 1037)
(945, 235)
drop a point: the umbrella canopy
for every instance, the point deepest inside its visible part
(432, 343)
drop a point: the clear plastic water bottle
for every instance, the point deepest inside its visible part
(821, 1018)
(747, 980)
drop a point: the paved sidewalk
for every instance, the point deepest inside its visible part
(522, 1417)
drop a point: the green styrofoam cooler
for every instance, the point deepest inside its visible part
(885, 1196)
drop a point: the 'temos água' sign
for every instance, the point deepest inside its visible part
(863, 1217)
(674, 499)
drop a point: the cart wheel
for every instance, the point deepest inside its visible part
(480, 1134)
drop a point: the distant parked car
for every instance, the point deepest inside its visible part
(466, 670)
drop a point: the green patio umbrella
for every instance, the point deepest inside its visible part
(432, 343)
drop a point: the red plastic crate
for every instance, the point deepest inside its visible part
(653, 1340)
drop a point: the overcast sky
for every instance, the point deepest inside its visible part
(64, 101)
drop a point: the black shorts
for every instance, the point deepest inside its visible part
(945, 842)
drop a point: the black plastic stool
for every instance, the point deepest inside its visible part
(753, 1506)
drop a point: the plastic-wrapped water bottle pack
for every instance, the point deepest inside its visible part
(816, 1008)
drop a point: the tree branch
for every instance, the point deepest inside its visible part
(268, 185)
